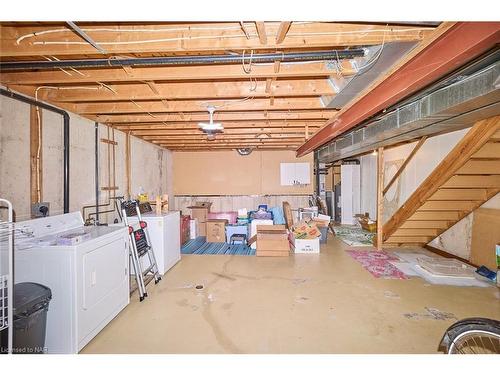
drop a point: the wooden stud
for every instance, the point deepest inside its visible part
(36, 155)
(419, 144)
(109, 141)
(380, 196)
(128, 165)
(153, 87)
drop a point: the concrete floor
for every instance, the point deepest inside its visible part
(323, 303)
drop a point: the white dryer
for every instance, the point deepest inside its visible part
(86, 269)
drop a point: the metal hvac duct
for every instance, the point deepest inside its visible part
(463, 99)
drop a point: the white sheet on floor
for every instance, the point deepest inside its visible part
(405, 267)
(447, 280)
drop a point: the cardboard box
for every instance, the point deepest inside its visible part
(307, 246)
(272, 240)
(216, 230)
(485, 237)
(200, 212)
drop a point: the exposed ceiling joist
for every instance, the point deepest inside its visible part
(168, 39)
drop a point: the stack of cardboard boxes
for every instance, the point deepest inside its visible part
(200, 212)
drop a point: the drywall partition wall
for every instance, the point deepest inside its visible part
(149, 162)
(457, 240)
(422, 164)
(228, 173)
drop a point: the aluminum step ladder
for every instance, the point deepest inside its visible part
(140, 247)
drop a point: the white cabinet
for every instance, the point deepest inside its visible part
(164, 232)
(295, 174)
(350, 192)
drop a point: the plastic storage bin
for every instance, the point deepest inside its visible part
(31, 303)
(324, 234)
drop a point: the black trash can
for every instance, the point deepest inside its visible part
(31, 303)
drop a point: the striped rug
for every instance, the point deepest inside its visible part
(200, 246)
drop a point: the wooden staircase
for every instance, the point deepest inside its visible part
(467, 177)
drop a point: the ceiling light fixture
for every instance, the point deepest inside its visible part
(211, 128)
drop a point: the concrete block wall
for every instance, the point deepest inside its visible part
(151, 166)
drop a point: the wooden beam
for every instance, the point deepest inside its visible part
(419, 144)
(272, 115)
(175, 73)
(192, 105)
(261, 30)
(450, 46)
(282, 30)
(36, 155)
(185, 90)
(380, 196)
(243, 126)
(273, 132)
(171, 38)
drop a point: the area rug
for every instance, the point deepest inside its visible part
(378, 263)
(200, 246)
(353, 235)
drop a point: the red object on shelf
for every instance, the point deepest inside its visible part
(185, 228)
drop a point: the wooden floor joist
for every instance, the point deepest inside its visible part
(250, 97)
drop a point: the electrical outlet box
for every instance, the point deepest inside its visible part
(40, 209)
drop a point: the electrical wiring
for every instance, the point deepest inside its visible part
(239, 35)
(161, 30)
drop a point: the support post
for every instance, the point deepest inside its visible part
(127, 164)
(380, 196)
(35, 154)
(317, 176)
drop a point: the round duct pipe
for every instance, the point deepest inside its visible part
(244, 151)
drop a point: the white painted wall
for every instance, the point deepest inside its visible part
(151, 166)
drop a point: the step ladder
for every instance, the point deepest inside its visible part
(140, 247)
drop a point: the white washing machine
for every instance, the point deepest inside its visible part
(164, 232)
(86, 269)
